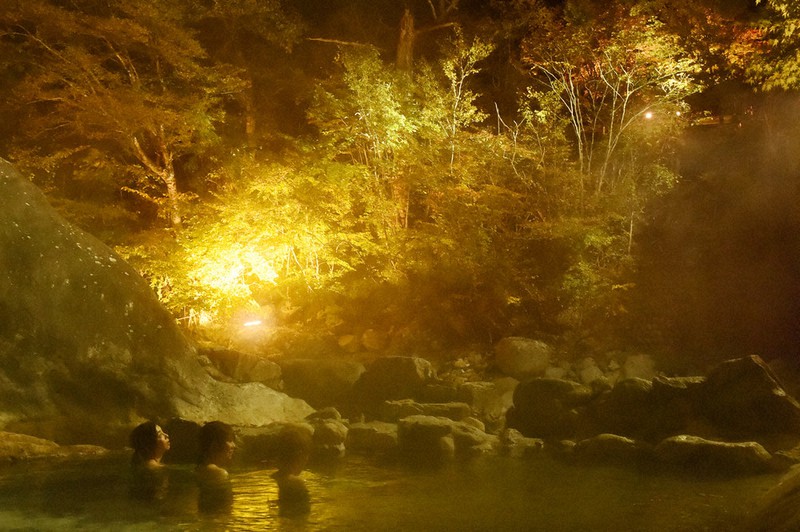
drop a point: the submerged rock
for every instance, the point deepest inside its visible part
(86, 349)
(710, 456)
(779, 510)
(393, 411)
(16, 447)
(611, 448)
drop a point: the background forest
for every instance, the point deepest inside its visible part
(422, 176)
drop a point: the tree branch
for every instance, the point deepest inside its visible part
(336, 41)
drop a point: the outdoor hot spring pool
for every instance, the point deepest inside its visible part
(361, 494)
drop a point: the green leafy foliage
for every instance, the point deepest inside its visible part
(780, 67)
(414, 206)
(125, 79)
(611, 69)
(273, 232)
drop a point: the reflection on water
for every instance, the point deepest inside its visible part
(488, 493)
(214, 496)
(148, 484)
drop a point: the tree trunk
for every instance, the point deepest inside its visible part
(401, 197)
(173, 198)
(405, 44)
(248, 102)
(163, 168)
(168, 176)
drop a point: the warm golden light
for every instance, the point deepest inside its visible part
(648, 115)
(251, 328)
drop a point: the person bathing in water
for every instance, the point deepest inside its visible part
(217, 445)
(292, 452)
(150, 443)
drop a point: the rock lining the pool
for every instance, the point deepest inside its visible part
(667, 422)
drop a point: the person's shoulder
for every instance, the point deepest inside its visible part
(211, 473)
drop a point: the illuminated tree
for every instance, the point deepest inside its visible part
(275, 235)
(611, 71)
(594, 141)
(123, 79)
(779, 67)
(368, 114)
(459, 64)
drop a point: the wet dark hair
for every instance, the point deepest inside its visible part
(213, 435)
(143, 441)
(291, 444)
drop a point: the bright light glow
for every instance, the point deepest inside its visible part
(648, 115)
(677, 113)
(226, 269)
(205, 318)
(251, 327)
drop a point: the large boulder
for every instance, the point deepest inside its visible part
(320, 381)
(237, 366)
(390, 378)
(86, 349)
(431, 437)
(426, 436)
(627, 409)
(489, 400)
(522, 358)
(260, 445)
(744, 398)
(548, 408)
(372, 437)
(329, 437)
(639, 367)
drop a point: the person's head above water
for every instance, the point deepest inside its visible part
(149, 444)
(216, 444)
(292, 450)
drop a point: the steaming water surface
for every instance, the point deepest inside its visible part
(487, 493)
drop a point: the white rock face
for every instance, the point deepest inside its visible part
(86, 349)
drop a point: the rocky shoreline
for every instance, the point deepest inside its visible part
(736, 420)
